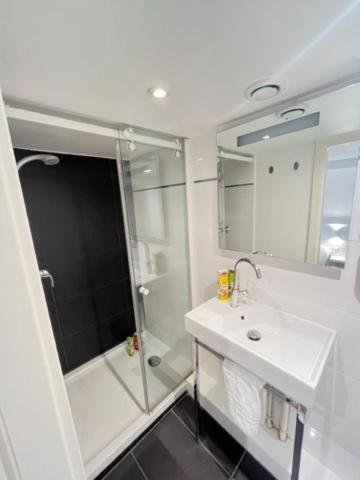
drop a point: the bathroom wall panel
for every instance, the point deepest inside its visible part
(331, 302)
(76, 221)
(98, 338)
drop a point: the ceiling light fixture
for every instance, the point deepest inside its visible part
(157, 92)
(264, 90)
(266, 137)
(147, 170)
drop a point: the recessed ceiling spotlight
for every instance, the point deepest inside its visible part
(264, 90)
(293, 112)
(157, 92)
(266, 137)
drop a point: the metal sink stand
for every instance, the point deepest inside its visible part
(300, 409)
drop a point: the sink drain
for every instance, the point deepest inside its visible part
(254, 335)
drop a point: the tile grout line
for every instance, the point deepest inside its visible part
(203, 446)
(96, 322)
(156, 423)
(130, 452)
(214, 458)
(180, 419)
(113, 467)
(139, 466)
(237, 465)
(94, 289)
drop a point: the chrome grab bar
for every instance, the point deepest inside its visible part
(44, 274)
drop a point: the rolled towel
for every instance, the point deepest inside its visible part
(243, 396)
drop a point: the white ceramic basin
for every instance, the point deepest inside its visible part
(290, 355)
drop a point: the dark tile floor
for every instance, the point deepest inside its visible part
(169, 451)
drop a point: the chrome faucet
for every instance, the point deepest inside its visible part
(234, 299)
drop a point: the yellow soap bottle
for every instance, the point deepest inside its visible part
(223, 285)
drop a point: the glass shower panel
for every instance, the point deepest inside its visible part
(155, 192)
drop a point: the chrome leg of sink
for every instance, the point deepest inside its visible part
(299, 433)
(196, 387)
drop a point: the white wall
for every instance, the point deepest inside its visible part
(2, 472)
(332, 302)
(35, 423)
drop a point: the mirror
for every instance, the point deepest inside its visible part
(287, 181)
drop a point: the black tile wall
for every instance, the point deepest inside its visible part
(75, 216)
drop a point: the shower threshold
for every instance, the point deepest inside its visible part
(106, 399)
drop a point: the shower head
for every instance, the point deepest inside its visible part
(47, 158)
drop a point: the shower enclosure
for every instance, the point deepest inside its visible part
(154, 199)
(114, 199)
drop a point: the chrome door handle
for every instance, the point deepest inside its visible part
(143, 290)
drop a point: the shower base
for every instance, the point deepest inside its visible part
(107, 401)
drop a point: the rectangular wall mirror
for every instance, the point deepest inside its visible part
(287, 181)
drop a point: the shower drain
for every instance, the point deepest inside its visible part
(154, 361)
(254, 335)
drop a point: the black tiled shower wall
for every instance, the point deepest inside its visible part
(77, 226)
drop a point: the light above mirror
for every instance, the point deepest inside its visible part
(287, 180)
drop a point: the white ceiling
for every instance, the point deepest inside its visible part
(47, 138)
(98, 57)
(339, 116)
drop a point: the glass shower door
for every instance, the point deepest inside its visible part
(155, 197)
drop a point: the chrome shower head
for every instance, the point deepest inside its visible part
(50, 160)
(47, 158)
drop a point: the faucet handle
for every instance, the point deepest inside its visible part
(234, 299)
(238, 295)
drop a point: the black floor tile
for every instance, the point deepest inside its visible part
(169, 451)
(250, 469)
(213, 436)
(126, 469)
(185, 410)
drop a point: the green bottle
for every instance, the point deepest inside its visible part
(130, 346)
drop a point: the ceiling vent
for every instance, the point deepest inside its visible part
(264, 90)
(293, 112)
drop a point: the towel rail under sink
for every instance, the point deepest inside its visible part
(267, 386)
(300, 409)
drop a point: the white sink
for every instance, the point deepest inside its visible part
(290, 355)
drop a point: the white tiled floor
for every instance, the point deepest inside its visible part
(106, 394)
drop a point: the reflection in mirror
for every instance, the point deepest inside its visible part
(286, 181)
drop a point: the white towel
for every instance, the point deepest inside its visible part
(243, 395)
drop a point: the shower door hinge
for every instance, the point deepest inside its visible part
(128, 132)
